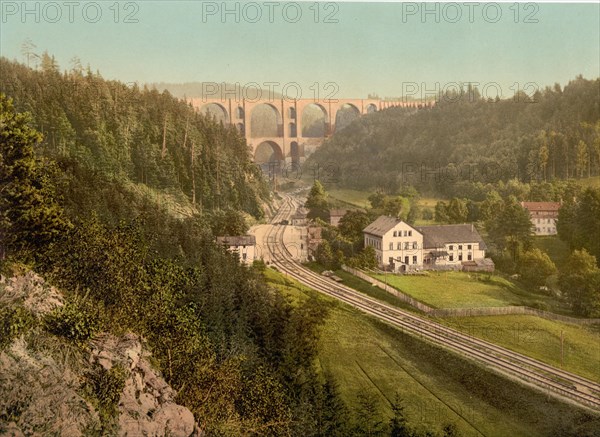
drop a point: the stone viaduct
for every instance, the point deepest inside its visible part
(286, 141)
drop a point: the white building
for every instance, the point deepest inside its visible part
(398, 246)
(243, 245)
(451, 245)
(401, 247)
(543, 216)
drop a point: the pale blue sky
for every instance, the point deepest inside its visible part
(373, 47)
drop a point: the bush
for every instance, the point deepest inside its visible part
(79, 319)
(13, 321)
(535, 267)
(104, 388)
(541, 306)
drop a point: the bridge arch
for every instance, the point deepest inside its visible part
(345, 115)
(216, 110)
(371, 107)
(314, 121)
(265, 121)
(268, 152)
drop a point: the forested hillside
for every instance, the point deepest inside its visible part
(81, 176)
(107, 137)
(553, 134)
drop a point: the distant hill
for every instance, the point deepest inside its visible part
(219, 90)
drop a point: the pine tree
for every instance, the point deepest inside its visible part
(30, 217)
(398, 425)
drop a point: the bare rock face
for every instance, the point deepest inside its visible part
(41, 395)
(32, 291)
(41, 379)
(147, 406)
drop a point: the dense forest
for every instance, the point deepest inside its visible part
(240, 355)
(106, 138)
(552, 134)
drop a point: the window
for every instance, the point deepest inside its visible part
(451, 258)
(395, 234)
(414, 244)
(391, 246)
(451, 247)
(406, 260)
(399, 247)
(415, 259)
(410, 233)
(460, 247)
(391, 260)
(469, 257)
(405, 233)
(460, 257)
(244, 256)
(406, 245)
(469, 247)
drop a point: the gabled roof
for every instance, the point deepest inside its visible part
(541, 206)
(436, 236)
(383, 225)
(237, 240)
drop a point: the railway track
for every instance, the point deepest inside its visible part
(560, 383)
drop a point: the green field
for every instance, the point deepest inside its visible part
(363, 286)
(594, 181)
(351, 197)
(462, 290)
(429, 202)
(539, 338)
(438, 387)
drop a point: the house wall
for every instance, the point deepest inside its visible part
(544, 225)
(246, 254)
(402, 242)
(457, 253)
(335, 220)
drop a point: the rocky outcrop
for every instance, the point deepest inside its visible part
(147, 405)
(41, 377)
(31, 291)
(41, 395)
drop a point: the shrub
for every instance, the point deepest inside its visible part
(13, 321)
(104, 388)
(79, 319)
(535, 266)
